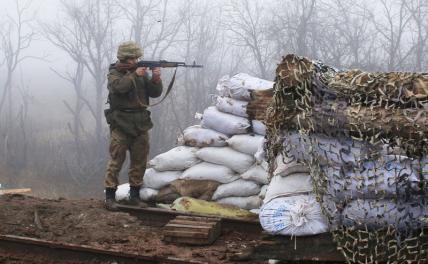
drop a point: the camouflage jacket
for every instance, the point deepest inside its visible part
(129, 97)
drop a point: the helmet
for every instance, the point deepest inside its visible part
(129, 49)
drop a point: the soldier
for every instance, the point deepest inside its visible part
(129, 91)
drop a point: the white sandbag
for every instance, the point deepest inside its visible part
(240, 86)
(256, 173)
(238, 188)
(122, 192)
(226, 156)
(286, 166)
(294, 184)
(209, 171)
(260, 154)
(148, 194)
(178, 158)
(255, 211)
(224, 123)
(157, 179)
(293, 216)
(197, 136)
(232, 106)
(248, 144)
(251, 202)
(258, 127)
(263, 191)
(390, 176)
(381, 213)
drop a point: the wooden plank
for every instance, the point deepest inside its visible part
(182, 222)
(197, 218)
(15, 191)
(193, 234)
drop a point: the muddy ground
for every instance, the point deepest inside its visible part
(86, 222)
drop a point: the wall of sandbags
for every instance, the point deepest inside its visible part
(216, 159)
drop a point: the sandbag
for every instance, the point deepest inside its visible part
(392, 176)
(210, 171)
(187, 204)
(224, 123)
(226, 156)
(122, 192)
(381, 213)
(294, 184)
(157, 179)
(197, 136)
(232, 106)
(199, 189)
(240, 86)
(251, 202)
(293, 216)
(178, 158)
(256, 173)
(258, 127)
(263, 191)
(240, 188)
(248, 144)
(148, 194)
(286, 166)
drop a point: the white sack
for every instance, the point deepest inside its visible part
(148, 194)
(263, 191)
(286, 166)
(209, 171)
(178, 158)
(390, 176)
(122, 192)
(226, 156)
(197, 136)
(380, 213)
(256, 173)
(299, 183)
(232, 106)
(293, 216)
(240, 86)
(239, 188)
(224, 123)
(248, 144)
(157, 179)
(251, 202)
(260, 154)
(258, 127)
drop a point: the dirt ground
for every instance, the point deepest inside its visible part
(86, 222)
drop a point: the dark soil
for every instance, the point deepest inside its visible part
(86, 222)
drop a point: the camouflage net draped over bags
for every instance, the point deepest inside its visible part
(364, 137)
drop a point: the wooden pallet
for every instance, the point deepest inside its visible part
(192, 230)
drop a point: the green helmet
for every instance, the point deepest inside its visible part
(129, 49)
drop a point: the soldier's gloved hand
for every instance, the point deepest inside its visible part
(156, 73)
(140, 71)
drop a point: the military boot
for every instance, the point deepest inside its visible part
(110, 202)
(134, 197)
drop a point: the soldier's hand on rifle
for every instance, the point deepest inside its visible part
(140, 71)
(156, 71)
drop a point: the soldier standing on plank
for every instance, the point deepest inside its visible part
(130, 88)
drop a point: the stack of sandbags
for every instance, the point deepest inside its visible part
(217, 158)
(364, 138)
(290, 207)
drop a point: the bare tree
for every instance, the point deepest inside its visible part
(245, 20)
(15, 38)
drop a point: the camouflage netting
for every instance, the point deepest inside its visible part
(364, 137)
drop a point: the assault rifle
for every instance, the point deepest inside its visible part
(166, 64)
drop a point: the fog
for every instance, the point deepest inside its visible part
(54, 57)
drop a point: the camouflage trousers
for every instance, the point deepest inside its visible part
(138, 148)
